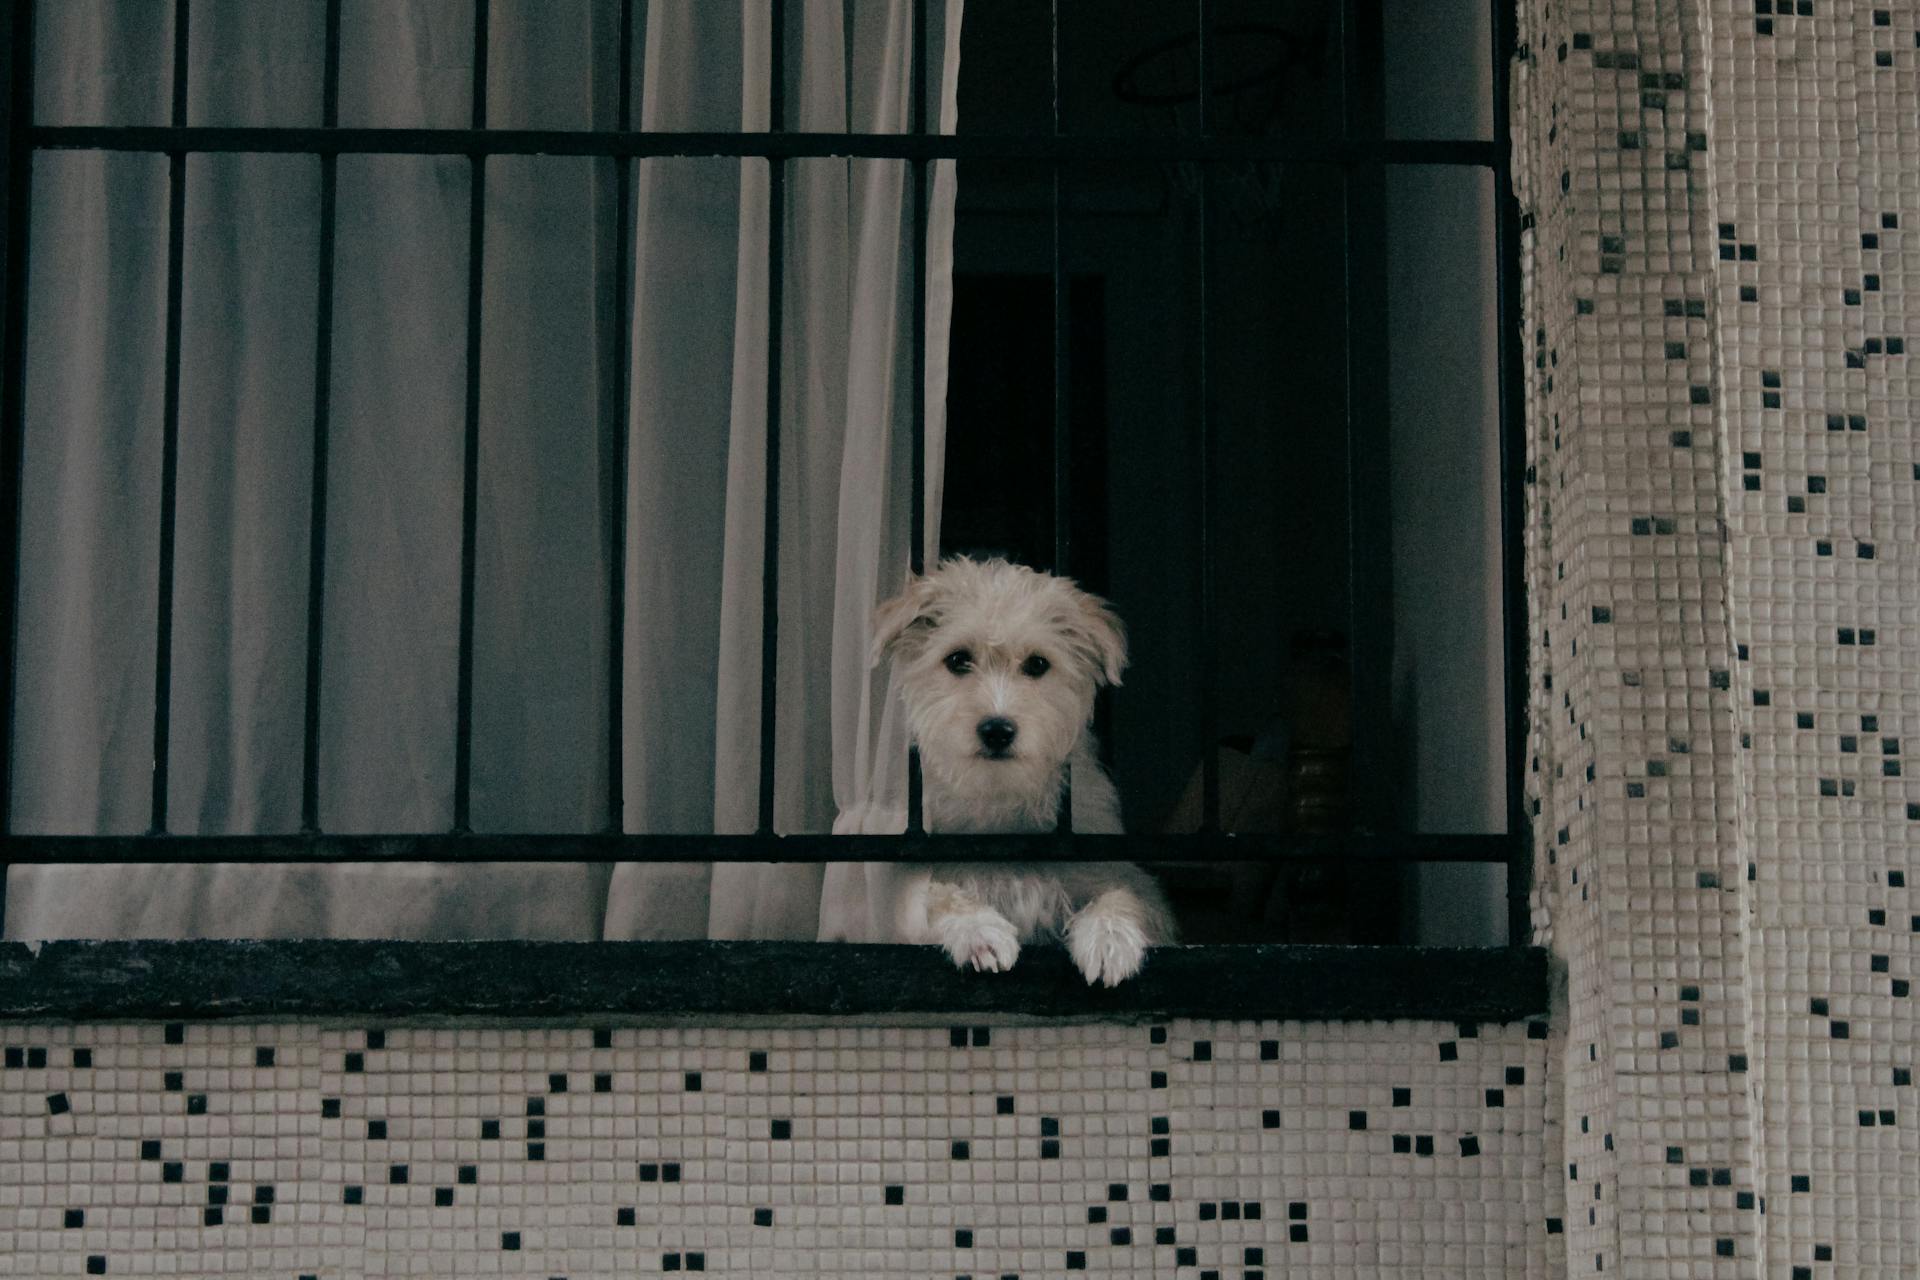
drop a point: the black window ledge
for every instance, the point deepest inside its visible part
(288, 980)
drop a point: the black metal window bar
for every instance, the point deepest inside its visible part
(1362, 154)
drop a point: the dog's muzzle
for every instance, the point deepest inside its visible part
(996, 736)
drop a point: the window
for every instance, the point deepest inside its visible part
(1245, 361)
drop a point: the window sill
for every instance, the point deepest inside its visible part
(281, 980)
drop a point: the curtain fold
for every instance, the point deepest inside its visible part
(845, 419)
(695, 438)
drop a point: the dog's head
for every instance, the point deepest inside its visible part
(997, 665)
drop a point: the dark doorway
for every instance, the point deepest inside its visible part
(1000, 418)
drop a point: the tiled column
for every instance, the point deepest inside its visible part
(1638, 772)
(1815, 139)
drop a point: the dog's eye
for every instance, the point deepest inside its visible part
(1035, 666)
(960, 662)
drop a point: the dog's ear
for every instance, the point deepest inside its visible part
(1099, 630)
(906, 614)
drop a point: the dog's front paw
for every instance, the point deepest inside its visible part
(982, 940)
(1106, 948)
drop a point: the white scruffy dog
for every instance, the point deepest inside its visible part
(998, 665)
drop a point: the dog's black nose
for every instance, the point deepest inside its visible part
(996, 733)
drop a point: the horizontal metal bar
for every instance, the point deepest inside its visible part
(608, 847)
(618, 981)
(1146, 148)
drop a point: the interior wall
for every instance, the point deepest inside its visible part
(1449, 671)
(1449, 684)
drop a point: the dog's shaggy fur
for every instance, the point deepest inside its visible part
(998, 665)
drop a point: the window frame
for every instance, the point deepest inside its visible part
(1363, 154)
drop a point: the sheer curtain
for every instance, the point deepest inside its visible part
(696, 434)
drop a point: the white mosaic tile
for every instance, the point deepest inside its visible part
(1178, 1149)
(1821, 500)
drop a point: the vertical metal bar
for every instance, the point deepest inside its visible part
(1513, 464)
(918, 82)
(170, 427)
(1209, 637)
(470, 472)
(1203, 20)
(322, 418)
(16, 217)
(623, 392)
(776, 301)
(1062, 443)
(1062, 438)
(1368, 424)
(330, 74)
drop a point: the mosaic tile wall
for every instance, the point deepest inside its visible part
(1723, 544)
(1817, 238)
(1185, 1149)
